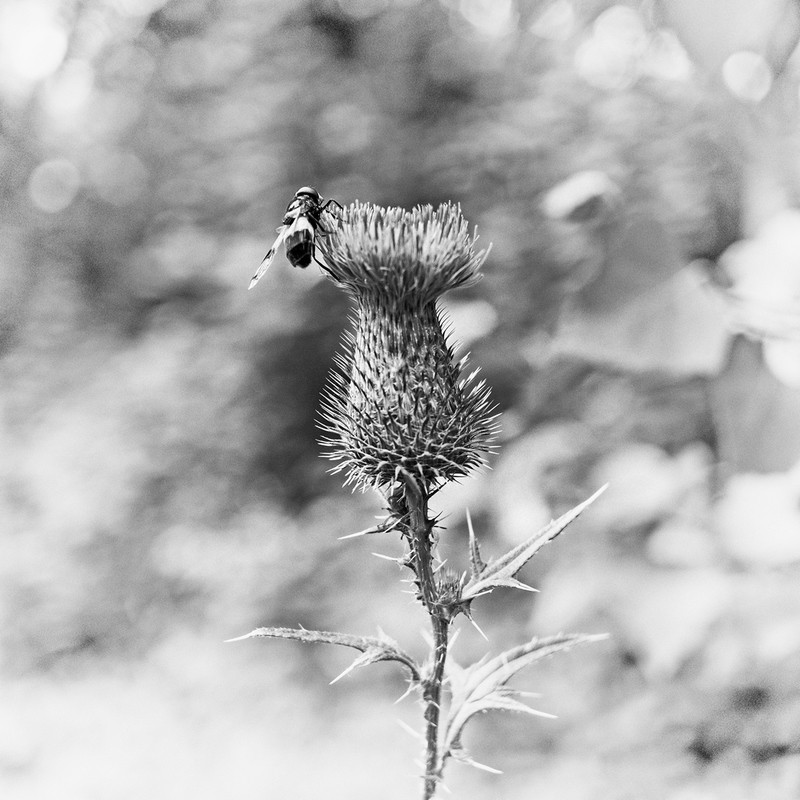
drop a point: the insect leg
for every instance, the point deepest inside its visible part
(321, 230)
(331, 202)
(324, 207)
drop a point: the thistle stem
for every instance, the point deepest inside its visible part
(421, 544)
(420, 530)
(431, 696)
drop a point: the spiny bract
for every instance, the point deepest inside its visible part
(399, 399)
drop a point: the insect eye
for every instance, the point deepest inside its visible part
(308, 191)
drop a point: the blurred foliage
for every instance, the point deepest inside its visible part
(160, 486)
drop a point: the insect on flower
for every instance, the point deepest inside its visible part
(301, 224)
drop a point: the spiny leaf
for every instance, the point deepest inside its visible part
(373, 648)
(501, 571)
(481, 687)
(489, 673)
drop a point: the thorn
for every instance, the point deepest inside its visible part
(379, 528)
(342, 674)
(237, 638)
(476, 626)
(393, 526)
(477, 564)
(398, 561)
(485, 767)
(536, 713)
(597, 637)
(365, 532)
(516, 584)
(405, 694)
(408, 729)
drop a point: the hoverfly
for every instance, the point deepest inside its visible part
(301, 223)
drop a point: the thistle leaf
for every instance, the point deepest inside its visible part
(374, 649)
(482, 688)
(501, 571)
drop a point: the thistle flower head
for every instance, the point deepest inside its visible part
(400, 400)
(407, 257)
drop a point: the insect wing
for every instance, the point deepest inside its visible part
(265, 264)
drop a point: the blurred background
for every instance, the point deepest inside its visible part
(636, 167)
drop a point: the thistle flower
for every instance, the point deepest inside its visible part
(401, 400)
